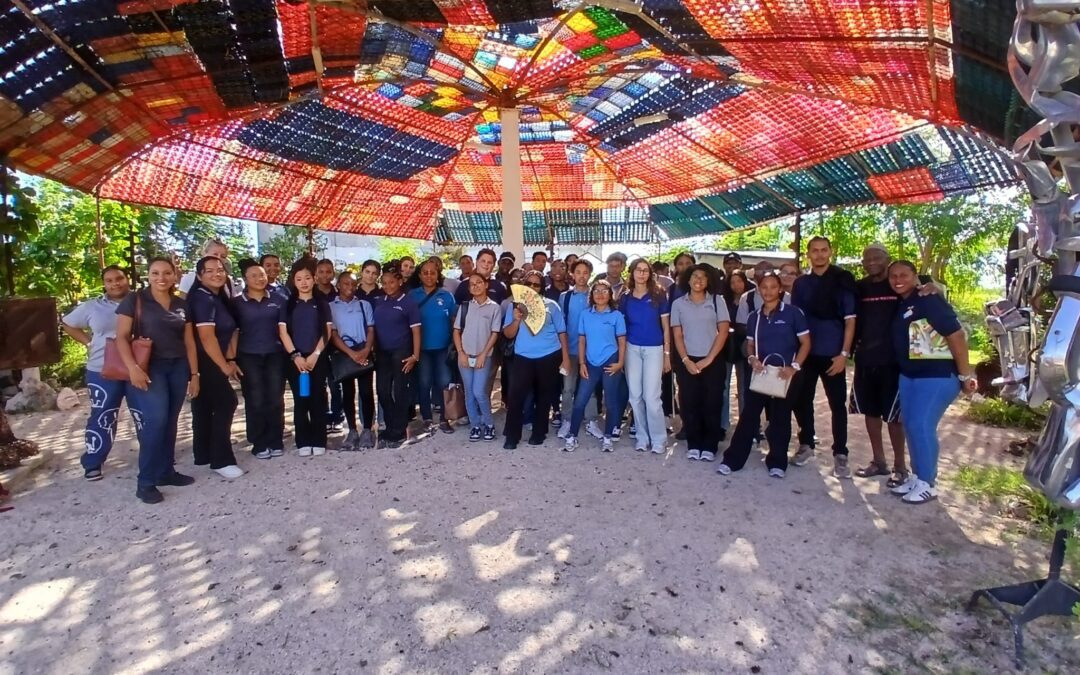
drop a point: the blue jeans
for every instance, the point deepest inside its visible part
(612, 385)
(434, 376)
(477, 401)
(105, 398)
(644, 376)
(155, 412)
(923, 402)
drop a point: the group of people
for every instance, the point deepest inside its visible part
(630, 346)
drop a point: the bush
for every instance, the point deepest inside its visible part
(998, 413)
(70, 370)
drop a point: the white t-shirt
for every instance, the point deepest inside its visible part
(188, 280)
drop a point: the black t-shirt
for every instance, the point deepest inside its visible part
(875, 307)
(496, 291)
(164, 327)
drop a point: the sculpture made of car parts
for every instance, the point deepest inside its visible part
(1044, 54)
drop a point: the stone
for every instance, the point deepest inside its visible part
(67, 399)
(34, 396)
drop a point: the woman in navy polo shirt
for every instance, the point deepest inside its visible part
(262, 361)
(397, 343)
(211, 311)
(601, 334)
(437, 307)
(648, 354)
(367, 286)
(775, 333)
(156, 397)
(354, 336)
(534, 370)
(933, 356)
(304, 328)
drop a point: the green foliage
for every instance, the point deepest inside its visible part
(70, 370)
(999, 484)
(20, 225)
(771, 237)
(395, 249)
(999, 413)
(668, 254)
(291, 244)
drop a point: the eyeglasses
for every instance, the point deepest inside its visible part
(533, 284)
(601, 290)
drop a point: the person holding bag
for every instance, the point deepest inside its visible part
(778, 341)
(210, 309)
(397, 341)
(476, 331)
(304, 327)
(351, 363)
(156, 395)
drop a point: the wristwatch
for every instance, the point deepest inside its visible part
(966, 378)
(796, 365)
(845, 354)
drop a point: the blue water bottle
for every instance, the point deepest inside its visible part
(305, 384)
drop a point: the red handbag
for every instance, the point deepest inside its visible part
(114, 368)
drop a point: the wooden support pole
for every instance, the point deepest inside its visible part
(9, 258)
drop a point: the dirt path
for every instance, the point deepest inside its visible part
(454, 557)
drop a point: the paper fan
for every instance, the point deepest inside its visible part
(534, 303)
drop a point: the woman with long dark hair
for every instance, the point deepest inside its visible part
(304, 328)
(212, 411)
(98, 315)
(354, 336)
(648, 354)
(437, 307)
(397, 343)
(156, 397)
(476, 332)
(261, 359)
(734, 287)
(699, 326)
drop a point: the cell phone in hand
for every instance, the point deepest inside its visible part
(472, 361)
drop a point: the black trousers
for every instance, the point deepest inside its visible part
(212, 416)
(835, 390)
(778, 433)
(263, 386)
(667, 393)
(395, 390)
(698, 400)
(349, 388)
(309, 412)
(539, 377)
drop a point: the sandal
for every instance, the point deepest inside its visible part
(896, 479)
(872, 470)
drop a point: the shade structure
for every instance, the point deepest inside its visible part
(637, 119)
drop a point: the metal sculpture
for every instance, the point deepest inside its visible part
(1044, 54)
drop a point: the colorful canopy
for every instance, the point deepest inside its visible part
(638, 119)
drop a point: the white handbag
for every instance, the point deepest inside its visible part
(768, 381)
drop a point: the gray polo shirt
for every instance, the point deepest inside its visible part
(99, 315)
(481, 322)
(698, 322)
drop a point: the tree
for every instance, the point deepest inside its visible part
(291, 244)
(768, 237)
(19, 224)
(395, 249)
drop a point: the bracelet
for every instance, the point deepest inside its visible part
(194, 375)
(230, 360)
(294, 353)
(796, 365)
(966, 378)
(685, 358)
(845, 354)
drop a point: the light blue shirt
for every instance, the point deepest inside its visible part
(601, 331)
(351, 320)
(575, 302)
(99, 316)
(544, 342)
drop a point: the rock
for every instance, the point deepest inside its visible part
(67, 399)
(10, 391)
(34, 396)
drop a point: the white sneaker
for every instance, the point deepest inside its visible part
(659, 449)
(906, 486)
(277, 452)
(776, 473)
(263, 454)
(608, 444)
(232, 471)
(571, 444)
(594, 430)
(920, 493)
(803, 455)
(564, 429)
(723, 469)
(304, 451)
(318, 451)
(693, 454)
(707, 456)
(640, 448)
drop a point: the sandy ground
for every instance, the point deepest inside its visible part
(457, 557)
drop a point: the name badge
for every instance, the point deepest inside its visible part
(910, 311)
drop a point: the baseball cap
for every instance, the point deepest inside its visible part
(507, 255)
(733, 256)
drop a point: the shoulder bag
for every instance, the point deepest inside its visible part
(451, 351)
(768, 381)
(141, 347)
(342, 367)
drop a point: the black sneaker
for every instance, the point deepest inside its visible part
(385, 444)
(489, 433)
(474, 434)
(510, 445)
(149, 495)
(537, 440)
(177, 479)
(556, 420)
(92, 474)
(446, 427)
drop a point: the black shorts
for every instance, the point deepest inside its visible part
(875, 392)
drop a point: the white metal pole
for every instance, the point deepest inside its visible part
(513, 225)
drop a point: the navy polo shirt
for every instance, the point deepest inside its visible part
(827, 335)
(436, 316)
(258, 321)
(370, 297)
(496, 291)
(308, 324)
(777, 333)
(210, 309)
(394, 321)
(918, 335)
(553, 293)
(164, 327)
(574, 302)
(643, 327)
